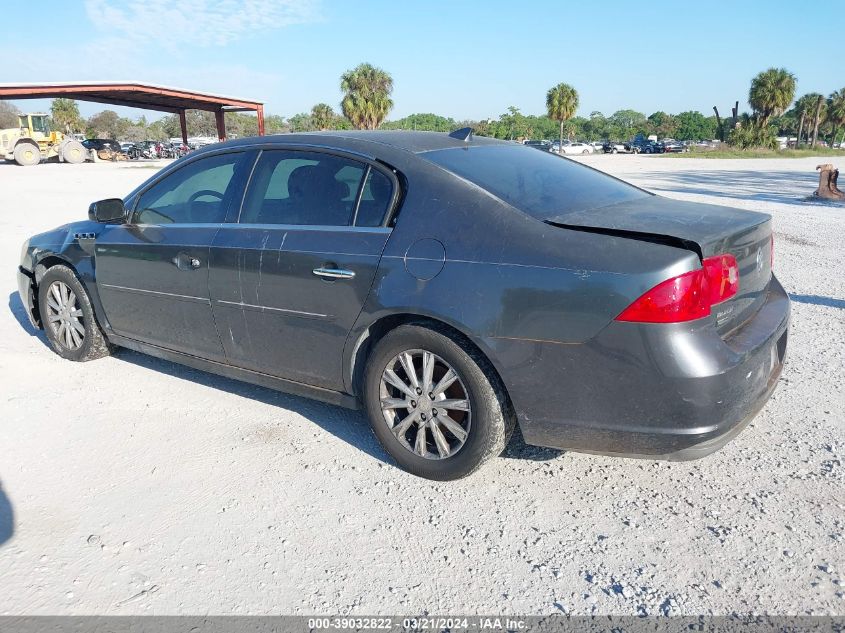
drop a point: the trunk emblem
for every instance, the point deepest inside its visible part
(759, 259)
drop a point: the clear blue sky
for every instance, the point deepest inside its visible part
(456, 58)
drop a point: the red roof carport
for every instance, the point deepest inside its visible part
(137, 95)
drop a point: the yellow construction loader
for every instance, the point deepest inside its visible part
(32, 141)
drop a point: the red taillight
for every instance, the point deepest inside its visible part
(682, 298)
(722, 277)
(688, 296)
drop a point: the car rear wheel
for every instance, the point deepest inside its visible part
(435, 405)
(68, 317)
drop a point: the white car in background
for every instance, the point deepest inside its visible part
(573, 148)
(578, 148)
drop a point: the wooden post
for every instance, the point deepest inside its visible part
(221, 125)
(183, 123)
(260, 113)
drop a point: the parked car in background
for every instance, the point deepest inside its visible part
(673, 146)
(666, 348)
(617, 147)
(598, 146)
(644, 146)
(545, 146)
(578, 148)
(98, 144)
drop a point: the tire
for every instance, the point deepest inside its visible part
(27, 154)
(73, 152)
(614, 151)
(586, 151)
(83, 341)
(481, 408)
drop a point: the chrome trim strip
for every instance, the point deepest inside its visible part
(310, 227)
(294, 252)
(141, 291)
(250, 306)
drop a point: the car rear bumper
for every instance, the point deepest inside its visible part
(661, 391)
(25, 281)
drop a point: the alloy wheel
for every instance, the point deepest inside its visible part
(64, 315)
(425, 404)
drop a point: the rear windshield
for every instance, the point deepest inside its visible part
(543, 185)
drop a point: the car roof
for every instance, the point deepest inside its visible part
(414, 142)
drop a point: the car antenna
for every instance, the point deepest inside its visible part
(464, 134)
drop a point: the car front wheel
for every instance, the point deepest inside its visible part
(435, 404)
(68, 317)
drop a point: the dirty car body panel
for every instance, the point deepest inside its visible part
(530, 262)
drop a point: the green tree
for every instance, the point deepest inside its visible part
(663, 125)
(819, 115)
(301, 123)
(322, 116)
(693, 125)
(8, 115)
(275, 124)
(366, 96)
(105, 124)
(425, 121)
(805, 109)
(561, 104)
(836, 112)
(240, 124)
(65, 115)
(628, 123)
(771, 93)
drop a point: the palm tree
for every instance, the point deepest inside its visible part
(771, 93)
(561, 104)
(819, 116)
(65, 114)
(366, 100)
(322, 116)
(836, 111)
(804, 107)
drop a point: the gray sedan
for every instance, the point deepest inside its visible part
(453, 287)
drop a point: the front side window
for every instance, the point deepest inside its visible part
(197, 193)
(303, 188)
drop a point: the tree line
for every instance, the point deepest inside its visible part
(366, 104)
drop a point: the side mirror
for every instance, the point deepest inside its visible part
(108, 210)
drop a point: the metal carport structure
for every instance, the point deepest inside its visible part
(139, 95)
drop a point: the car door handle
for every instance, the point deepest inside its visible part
(334, 273)
(185, 262)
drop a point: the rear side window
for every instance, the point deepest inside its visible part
(305, 188)
(375, 199)
(541, 184)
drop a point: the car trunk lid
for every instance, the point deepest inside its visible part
(706, 229)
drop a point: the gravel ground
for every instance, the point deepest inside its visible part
(135, 486)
